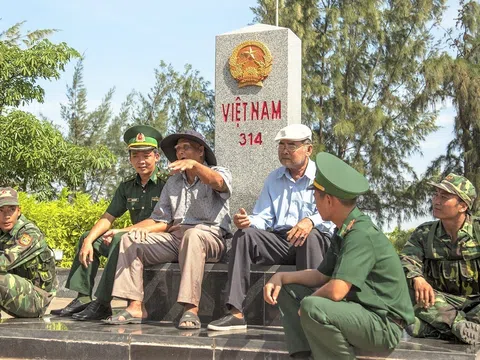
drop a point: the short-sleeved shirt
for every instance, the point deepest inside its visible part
(363, 256)
(182, 203)
(138, 199)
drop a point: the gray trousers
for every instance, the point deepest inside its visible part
(191, 246)
(253, 246)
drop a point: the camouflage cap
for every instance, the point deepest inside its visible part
(8, 196)
(458, 185)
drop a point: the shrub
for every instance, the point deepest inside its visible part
(399, 237)
(64, 220)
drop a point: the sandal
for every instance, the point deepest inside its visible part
(127, 319)
(189, 316)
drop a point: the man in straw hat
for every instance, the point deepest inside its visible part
(139, 195)
(27, 265)
(358, 297)
(442, 263)
(188, 225)
(285, 227)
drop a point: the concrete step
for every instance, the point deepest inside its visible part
(161, 289)
(60, 338)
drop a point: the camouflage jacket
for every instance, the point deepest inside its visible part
(24, 252)
(449, 267)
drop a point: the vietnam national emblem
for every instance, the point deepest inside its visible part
(140, 137)
(250, 63)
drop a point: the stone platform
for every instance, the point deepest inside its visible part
(59, 338)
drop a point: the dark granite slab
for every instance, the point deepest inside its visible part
(59, 338)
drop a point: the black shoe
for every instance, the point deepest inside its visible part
(228, 322)
(94, 311)
(74, 307)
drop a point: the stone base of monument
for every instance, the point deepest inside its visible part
(59, 338)
(64, 338)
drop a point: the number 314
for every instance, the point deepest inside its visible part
(250, 139)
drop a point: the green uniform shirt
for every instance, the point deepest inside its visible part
(24, 252)
(363, 256)
(137, 199)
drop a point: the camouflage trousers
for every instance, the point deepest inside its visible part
(20, 298)
(437, 321)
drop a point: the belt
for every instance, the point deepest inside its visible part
(400, 322)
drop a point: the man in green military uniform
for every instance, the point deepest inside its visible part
(139, 196)
(442, 262)
(27, 266)
(362, 300)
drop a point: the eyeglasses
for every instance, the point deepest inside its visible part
(289, 147)
(183, 147)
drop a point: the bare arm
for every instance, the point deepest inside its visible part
(309, 278)
(206, 175)
(100, 227)
(335, 290)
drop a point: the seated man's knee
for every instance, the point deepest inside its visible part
(117, 238)
(314, 307)
(192, 234)
(242, 234)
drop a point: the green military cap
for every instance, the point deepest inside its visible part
(337, 178)
(142, 137)
(458, 185)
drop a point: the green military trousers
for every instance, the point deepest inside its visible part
(331, 330)
(82, 279)
(437, 320)
(20, 298)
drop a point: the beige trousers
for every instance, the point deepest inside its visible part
(191, 246)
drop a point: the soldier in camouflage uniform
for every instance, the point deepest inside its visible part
(441, 261)
(139, 195)
(27, 266)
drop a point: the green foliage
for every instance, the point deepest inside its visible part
(365, 89)
(399, 237)
(177, 101)
(461, 83)
(26, 58)
(65, 219)
(34, 155)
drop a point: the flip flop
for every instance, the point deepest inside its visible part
(189, 316)
(127, 319)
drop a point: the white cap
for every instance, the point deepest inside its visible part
(295, 132)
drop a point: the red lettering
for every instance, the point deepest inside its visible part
(277, 112)
(258, 139)
(250, 139)
(244, 111)
(265, 111)
(237, 112)
(225, 113)
(254, 112)
(243, 139)
(231, 112)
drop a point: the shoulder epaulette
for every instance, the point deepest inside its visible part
(130, 177)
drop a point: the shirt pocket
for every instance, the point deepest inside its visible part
(133, 204)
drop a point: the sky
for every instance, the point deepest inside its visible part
(123, 41)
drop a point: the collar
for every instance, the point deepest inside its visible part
(309, 171)
(153, 178)
(465, 231)
(349, 222)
